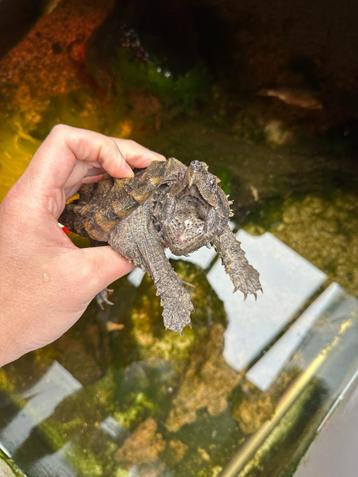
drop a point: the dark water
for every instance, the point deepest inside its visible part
(235, 394)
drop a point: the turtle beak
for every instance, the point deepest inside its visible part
(195, 168)
(191, 180)
(191, 177)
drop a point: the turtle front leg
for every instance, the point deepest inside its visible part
(243, 275)
(174, 298)
(136, 238)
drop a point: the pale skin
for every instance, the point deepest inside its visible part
(46, 282)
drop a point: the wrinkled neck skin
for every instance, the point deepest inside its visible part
(183, 218)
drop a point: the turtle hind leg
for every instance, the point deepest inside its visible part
(243, 275)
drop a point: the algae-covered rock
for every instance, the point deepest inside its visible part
(49, 59)
(176, 450)
(206, 384)
(153, 360)
(252, 407)
(253, 412)
(323, 230)
(143, 446)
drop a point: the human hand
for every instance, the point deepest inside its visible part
(46, 282)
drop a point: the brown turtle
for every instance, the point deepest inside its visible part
(166, 205)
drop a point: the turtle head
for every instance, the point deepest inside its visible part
(195, 215)
(198, 176)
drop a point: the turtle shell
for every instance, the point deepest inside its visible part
(100, 205)
(126, 194)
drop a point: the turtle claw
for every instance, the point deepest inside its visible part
(112, 326)
(243, 275)
(176, 314)
(102, 297)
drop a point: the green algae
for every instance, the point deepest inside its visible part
(8, 468)
(5, 383)
(152, 341)
(78, 109)
(282, 443)
(321, 228)
(178, 93)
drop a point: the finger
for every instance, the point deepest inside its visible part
(93, 171)
(95, 174)
(92, 179)
(105, 266)
(55, 160)
(137, 155)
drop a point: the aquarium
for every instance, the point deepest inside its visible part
(245, 390)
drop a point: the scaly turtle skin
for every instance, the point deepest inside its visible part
(166, 205)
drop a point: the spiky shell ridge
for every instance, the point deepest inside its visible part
(134, 191)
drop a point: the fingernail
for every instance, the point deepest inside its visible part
(127, 171)
(159, 157)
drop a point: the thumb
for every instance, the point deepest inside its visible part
(105, 266)
(54, 162)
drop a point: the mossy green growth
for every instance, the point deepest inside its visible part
(140, 406)
(148, 333)
(8, 468)
(5, 382)
(210, 471)
(120, 472)
(280, 449)
(322, 228)
(75, 426)
(87, 463)
(79, 108)
(225, 180)
(178, 94)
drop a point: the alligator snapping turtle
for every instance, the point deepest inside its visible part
(166, 205)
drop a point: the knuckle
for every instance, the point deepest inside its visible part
(132, 143)
(60, 130)
(115, 151)
(107, 152)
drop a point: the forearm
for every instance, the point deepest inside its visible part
(13, 312)
(9, 346)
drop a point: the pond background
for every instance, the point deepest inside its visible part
(187, 79)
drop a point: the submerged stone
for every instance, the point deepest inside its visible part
(206, 384)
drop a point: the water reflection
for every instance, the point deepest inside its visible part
(55, 464)
(288, 281)
(41, 401)
(340, 304)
